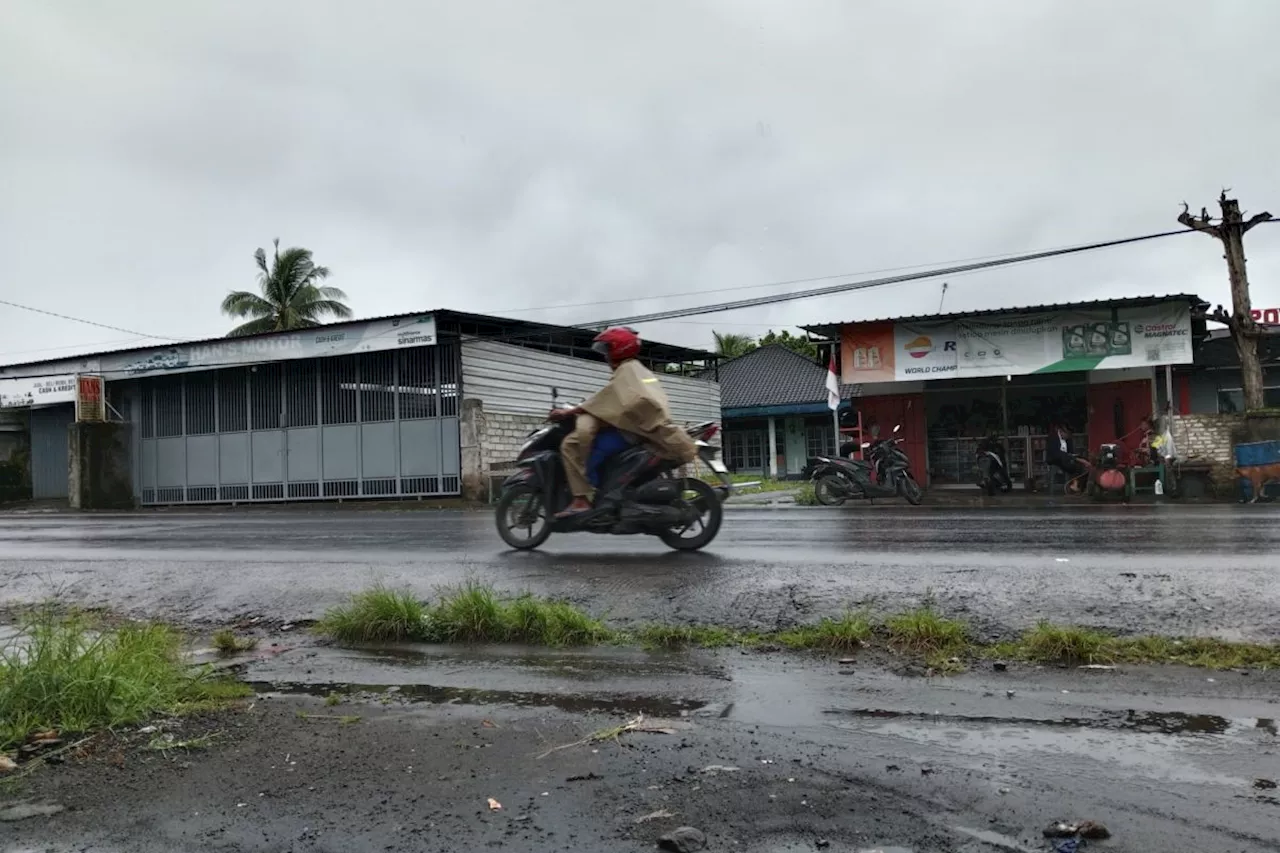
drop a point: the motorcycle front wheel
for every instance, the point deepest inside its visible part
(829, 490)
(522, 519)
(699, 533)
(910, 489)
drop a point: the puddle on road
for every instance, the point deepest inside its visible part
(431, 694)
(1146, 722)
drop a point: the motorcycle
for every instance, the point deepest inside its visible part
(638, 491)
(886, 473)
(993, 470)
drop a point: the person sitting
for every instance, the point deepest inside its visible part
(1058, 453)
(633, 402)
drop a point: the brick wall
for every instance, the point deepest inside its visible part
(504, 435)
(1209, 438)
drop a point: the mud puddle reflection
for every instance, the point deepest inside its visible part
(437, 695)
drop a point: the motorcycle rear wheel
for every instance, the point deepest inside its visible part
(710, 517)
(910, 489)
(829, 490)
(511, 516)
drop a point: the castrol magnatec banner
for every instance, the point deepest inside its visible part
(996, 345)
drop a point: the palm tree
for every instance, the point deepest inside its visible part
(730, 345)
(291, 298)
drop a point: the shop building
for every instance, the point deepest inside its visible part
(409, 406)
(949, 380)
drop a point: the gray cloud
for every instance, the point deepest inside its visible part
(496, 156)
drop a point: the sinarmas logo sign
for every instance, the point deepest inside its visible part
(321, 342)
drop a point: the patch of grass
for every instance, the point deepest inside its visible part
(1203, 652)
(227, 643)
(924, 631)
(470, 614)
(1049, 643)
(848, 633)
(63, 673)
(376, 615)
(806, 496)
(551, 623)
(684, 636)
(763, 484)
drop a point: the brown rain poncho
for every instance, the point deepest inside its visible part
(634, 402)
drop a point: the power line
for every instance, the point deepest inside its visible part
(878, 282)
(86, 322)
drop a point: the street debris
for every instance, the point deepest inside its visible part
(1098, 667)
(488, 724)
(1264, 784)
(7, 764)
(494, 805)
(686, 839)
(1000, 666)
(615, 733)
(1087, 829)
(1009, 694)
(719, 768)
(660, 814)
(585, 777)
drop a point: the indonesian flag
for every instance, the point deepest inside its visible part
(833, 386)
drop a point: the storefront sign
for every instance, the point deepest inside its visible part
(319, 342)
(21, 393)
(91, 399)
(1017, 344)
(1266, 316)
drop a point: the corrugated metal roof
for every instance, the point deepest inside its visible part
(654, 350)
(1124, 302)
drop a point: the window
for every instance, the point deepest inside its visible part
(820, 440)
(1231, 400)
(744, 450)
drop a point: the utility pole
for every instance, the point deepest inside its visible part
(1230, 231)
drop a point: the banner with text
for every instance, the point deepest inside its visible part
(22, 393)
(998, 345)
(320, 342)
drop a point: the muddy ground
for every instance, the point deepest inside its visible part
(759, 752)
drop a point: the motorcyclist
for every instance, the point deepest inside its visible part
(633, 402)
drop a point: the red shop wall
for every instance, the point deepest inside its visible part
(1133, 399)
(905, 409)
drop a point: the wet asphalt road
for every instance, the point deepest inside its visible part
(1183, 570)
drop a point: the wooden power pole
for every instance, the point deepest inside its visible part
(1230, 231)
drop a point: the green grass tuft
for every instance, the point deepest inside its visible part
(684, 636)
(470, 614)
(806, 496)
(1049, 643)
(551, 623)
(64, 674)
(375, 615)
(924, 631)
(227, 643)
(848, 633)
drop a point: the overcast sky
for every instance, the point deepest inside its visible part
(501, 156)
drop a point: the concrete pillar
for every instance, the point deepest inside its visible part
(471, 435)
(772, 454)
(100, 465)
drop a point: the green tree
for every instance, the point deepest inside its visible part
(795, 343)
(292, 296)
(730, 345)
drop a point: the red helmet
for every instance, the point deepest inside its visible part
(617, 344)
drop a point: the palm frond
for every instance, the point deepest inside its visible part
(242, 303)
(254, 327)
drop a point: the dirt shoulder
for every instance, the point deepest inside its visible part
(420, 778)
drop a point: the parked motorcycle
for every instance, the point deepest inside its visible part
(886, 473)
(1109, 474)
(638, 491)
(991, 466)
